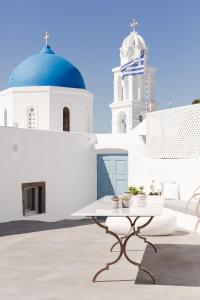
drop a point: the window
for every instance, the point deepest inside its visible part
(5, 118)
(31, 118)
(66, 119)
(33, 198)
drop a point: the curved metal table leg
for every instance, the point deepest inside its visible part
(125, 244)
(123, 247)
(124, 237)
(118, 257)
(116, 243)
(137, 233)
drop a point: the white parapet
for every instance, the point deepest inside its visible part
(174, 133)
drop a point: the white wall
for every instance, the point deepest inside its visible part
(142, 170)
(133, 102)
(123, 141)
(174, 133)
(182, 171)
(133, 144)
(80, 104)
(65, 161)
(23, 98)
(49, 103)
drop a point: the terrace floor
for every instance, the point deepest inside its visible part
(58, 264)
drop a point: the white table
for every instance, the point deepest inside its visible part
(103, 208)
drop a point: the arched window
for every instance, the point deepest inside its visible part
(31, 118)
(140, 118)
(121, 122)
(5, 118)
(66, 119)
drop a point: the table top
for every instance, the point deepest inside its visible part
(103, 207)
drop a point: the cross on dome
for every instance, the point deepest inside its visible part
(46, 38)
(133, 25)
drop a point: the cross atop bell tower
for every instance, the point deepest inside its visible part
(133, 25)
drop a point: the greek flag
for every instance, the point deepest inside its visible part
(133, 67)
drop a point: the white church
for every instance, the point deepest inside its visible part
(51, 161)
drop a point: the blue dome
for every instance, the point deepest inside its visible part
(46, 69)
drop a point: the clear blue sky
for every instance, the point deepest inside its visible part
(89, 34)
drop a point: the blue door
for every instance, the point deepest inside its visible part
(112, 174)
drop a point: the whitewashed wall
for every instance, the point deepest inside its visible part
(131, 143)
(182, 171)
(174, 133)
(80, 104)
(49, 103)
(142, 170)
(65, 161)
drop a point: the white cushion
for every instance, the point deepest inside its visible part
(163, 225)
(170, 190)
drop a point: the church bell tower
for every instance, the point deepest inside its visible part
(134, 83)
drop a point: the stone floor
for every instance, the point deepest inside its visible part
(58, 264)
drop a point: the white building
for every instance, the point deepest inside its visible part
(132, 94)
(48, 160)
(51, 162)
(46, 92)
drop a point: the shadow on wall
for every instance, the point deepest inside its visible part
(104, 170)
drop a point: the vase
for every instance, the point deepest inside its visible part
(141, 196)
(141, 199)
(115, 202)
(125, 203)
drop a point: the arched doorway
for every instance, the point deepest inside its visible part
(66, 119)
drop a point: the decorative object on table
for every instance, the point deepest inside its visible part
(125, 200)
(152, 187)
(155, 193)
(127, 194)
(115, 202)
(154, 190)
(141, 199)
(138, 194)
(135, 191)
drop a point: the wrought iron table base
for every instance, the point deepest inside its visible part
(137, 233)
(134, 231)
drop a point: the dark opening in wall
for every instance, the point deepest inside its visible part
(66, 119)
(33, 198)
